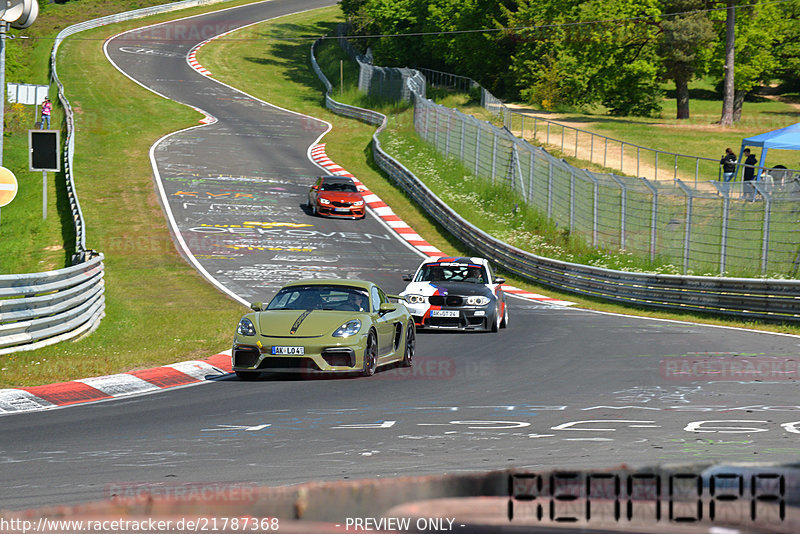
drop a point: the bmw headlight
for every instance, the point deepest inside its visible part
(358, 203)
(414, 299)
(350, 328)
(324, 201)
(246, 327)
(477, 300)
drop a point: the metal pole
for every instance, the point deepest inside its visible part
(696, 170)
(655, 179)
(576, 142)
(765, 245)
(44, 195)
(676, 168)
(3, 27)
(621, 157)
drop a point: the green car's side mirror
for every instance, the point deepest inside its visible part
(387, 307)
(256, 306)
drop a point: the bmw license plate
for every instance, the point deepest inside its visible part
(288, 351)
(344, 210)
(444, 313)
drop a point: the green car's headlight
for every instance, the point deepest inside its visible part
(246, 327)
(350, 328)
(477, 301)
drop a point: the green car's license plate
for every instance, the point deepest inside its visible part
(288, 351)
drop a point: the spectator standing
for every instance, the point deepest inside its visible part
(728, 163)
(750, 160)
(46, 108)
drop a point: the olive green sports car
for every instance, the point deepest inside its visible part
(314, 326)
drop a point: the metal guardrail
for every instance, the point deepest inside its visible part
(41, 309)
(743, 297)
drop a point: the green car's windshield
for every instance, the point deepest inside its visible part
(340, 298)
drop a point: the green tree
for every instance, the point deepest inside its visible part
(760, 28)
(681, 46)
(612, 62)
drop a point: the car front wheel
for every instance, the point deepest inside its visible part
(370, 356)
(496, 320)
(411, 342)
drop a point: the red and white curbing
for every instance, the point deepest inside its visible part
(192, 59)
(113, 386)
(385, 213)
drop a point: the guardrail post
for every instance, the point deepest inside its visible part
(688, 231)
(494, 155)
(550, 191)
(477, 147)
(637, 161)
(653, 217)
(595, 203)
(461, 140)
(447, 136)
(571, 199)
(622, 210)
(621, 157)
(529, 200)
(766, 193)
(591, 150)
(562, 138)
(696, 170)
(605, 152)
(723, 241)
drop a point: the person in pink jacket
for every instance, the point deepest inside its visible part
(46, 108)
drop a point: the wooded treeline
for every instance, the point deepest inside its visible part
(574, 53)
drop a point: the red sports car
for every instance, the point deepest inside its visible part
(336, 196)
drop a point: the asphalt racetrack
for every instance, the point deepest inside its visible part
(561, 387)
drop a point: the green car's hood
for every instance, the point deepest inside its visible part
(303, 323)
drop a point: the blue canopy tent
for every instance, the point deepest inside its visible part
(784, 139)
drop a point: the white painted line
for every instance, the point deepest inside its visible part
(17, 400)
(119, 385)
(197, 369)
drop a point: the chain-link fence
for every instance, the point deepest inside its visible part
(716, 228)
(702, 231)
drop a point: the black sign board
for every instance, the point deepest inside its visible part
(44, 148)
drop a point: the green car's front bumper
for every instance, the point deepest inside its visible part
(320, 354)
